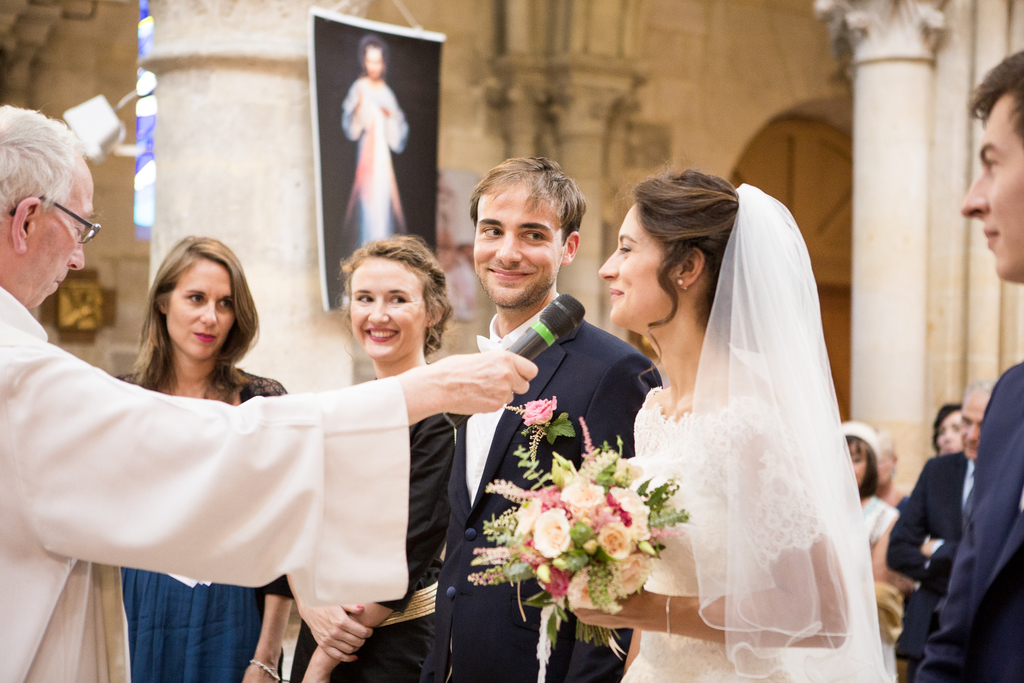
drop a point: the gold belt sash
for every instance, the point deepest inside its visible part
(420, 605)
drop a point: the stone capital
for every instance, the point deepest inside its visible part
(587, 92)
(881, 30)
(239, 54)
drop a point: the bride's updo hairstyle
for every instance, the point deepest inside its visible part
(687, 211)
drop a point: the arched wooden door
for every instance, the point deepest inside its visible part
(808, 166)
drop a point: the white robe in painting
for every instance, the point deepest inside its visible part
(94, 470)
(371, 115)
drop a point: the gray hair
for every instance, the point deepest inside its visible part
(37, 157)
(979, 386)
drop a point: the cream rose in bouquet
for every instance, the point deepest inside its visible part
(588, 536)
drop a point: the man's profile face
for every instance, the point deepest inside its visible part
(973, 413)
(53, 243)
(997, 196)
(518, 249)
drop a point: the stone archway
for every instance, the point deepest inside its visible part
(808, 165)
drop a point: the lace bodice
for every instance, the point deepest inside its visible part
(699, 452)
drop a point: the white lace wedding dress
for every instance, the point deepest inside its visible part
(696, 452)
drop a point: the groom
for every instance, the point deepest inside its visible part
(527, 215)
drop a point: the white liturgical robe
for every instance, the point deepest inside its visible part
(94, 470)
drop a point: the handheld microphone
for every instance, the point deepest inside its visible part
(558, 318)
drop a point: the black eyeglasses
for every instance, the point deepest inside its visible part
(85, 233)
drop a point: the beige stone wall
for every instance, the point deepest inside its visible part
(719, 70)
(81, 59)
(713, 73)
(643, 84)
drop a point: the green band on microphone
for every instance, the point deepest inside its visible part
(541, 329)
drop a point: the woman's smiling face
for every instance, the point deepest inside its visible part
(389, 317)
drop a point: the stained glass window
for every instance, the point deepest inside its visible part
(145, 124)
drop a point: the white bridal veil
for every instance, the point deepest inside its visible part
(798, 568)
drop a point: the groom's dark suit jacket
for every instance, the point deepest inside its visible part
(594, 376)
(981, 627)
(932, 511)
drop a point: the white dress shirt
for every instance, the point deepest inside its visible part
(480, 427)
(95, 470)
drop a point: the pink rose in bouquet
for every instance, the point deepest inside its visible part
(579, 591)
(615, 540)
(527, 516)
(631, 573)
(582, 497)
(632, 504)
(557, 583)
(551, 533)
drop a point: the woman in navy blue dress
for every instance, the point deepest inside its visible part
(201, 321)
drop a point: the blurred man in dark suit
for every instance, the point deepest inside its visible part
(925, 538)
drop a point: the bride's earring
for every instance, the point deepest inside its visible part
(680, 283)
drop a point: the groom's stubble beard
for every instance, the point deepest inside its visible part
(532, 297)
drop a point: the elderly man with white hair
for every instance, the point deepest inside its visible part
(93, 470)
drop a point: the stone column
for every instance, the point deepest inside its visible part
(587, 96)
(235, 161)
(891, 43)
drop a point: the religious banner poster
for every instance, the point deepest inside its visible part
(375, 91)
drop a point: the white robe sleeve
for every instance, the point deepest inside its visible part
(314, 485)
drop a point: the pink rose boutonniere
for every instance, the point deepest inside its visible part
(541, 423)
(540, 410)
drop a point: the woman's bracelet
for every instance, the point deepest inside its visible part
(668, 615)
(273, 674)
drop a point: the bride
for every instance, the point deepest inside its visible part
(772, 578)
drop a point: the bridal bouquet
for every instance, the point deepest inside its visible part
(587, 536)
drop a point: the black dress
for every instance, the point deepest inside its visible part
(395, 653)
